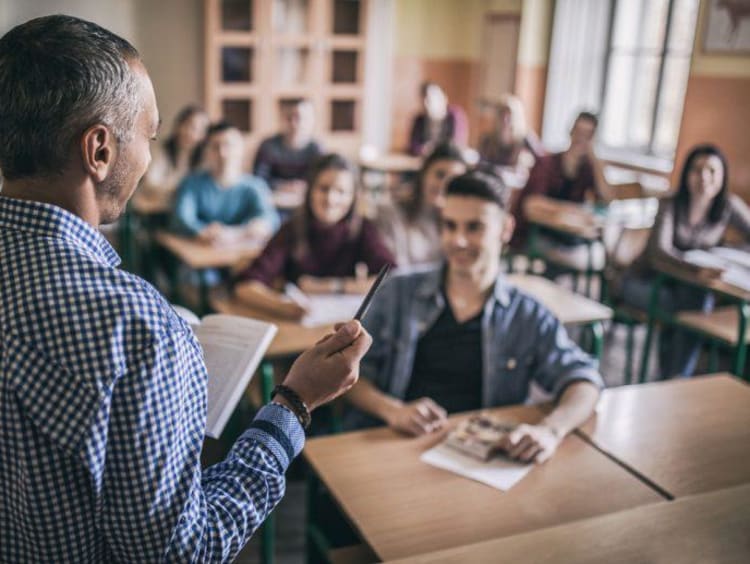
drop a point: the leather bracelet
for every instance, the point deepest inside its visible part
(299, 408)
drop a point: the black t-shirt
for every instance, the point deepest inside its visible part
(448, 364)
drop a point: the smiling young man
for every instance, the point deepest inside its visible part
(102, 385)
(459, 337)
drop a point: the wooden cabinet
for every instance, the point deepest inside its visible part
(261, 52)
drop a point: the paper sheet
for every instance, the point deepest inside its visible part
(326, 309)
(498, 472)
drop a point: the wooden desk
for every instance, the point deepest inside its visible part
(710, 527)
(706, 323)
(569, 307)
(391, 163)
(687, 436)
(291, 338)
(402, 506)
(199, 255)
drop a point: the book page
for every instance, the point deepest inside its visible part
(499, 472)
(233, 347)
(327, 309)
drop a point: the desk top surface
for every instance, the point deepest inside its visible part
(404, 507)
(291, 338)
(392, 162)
(200, 255)
(568, 306)
(687, 436)
(711, 527)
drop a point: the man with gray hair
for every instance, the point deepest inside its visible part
(102, 386)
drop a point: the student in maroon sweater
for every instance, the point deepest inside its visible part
(325, 247)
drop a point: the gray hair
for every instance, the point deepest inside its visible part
(60, 75)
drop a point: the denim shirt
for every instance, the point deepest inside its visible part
(522, 341)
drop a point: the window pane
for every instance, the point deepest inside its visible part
(346, 17)
(654, 24)
(236, 64)
(237, 15)
(344, 66)
(342, 115)
(291, 66)
(643, 101)
(682, 30)
(626, 24)
(290, 16)
(238, 113)
(671, 100)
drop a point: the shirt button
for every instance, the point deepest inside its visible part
(511, 364)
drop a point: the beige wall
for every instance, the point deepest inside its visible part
(168, 33)
(717, 109)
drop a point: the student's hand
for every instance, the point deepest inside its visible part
(315, 285)
(361, 281)
(331, 367)
(210, 233)
(291, 310)
(418, 417)
(531, 443)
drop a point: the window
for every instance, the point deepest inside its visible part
(632, 65)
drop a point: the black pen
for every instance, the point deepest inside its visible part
(371, 293)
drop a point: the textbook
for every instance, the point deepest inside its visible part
(471, 451)
(233, 347)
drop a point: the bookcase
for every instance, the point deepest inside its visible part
(262, 52)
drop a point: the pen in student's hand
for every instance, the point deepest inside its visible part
(371, 293)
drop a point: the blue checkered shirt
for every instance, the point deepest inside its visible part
(103, 408)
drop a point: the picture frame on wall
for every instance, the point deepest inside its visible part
(727, 28)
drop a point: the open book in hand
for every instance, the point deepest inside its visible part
(233, 347)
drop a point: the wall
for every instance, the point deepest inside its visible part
(441, 40)
(438, 40)
(168, 34)
(717, 109)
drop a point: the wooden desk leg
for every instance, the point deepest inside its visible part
(741, 351)
(652, 307)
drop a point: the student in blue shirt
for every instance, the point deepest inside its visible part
(223, 204)
(459, 337)
(102, 385)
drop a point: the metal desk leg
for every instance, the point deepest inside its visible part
(741, 351)
(597, 340)
(652, 308)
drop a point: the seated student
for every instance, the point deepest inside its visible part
(284, 159)
(175, 159)
(440, 122)
(460, 337)
(697, 217)
(223, 204)
(575, 175)
(410, 228)
(320, 247)
(512, 148)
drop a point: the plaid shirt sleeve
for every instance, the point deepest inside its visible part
(156, 503)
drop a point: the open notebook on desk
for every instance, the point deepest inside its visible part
(735, 264)
(233, 347)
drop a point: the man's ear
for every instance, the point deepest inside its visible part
(98, 150)
(509, 225)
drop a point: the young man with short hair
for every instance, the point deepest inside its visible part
(284, 160)
(459, 337)
(223, 204)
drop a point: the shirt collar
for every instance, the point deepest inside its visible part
(47, 220)
(431, 286)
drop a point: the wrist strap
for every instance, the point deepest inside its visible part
(299, 408)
